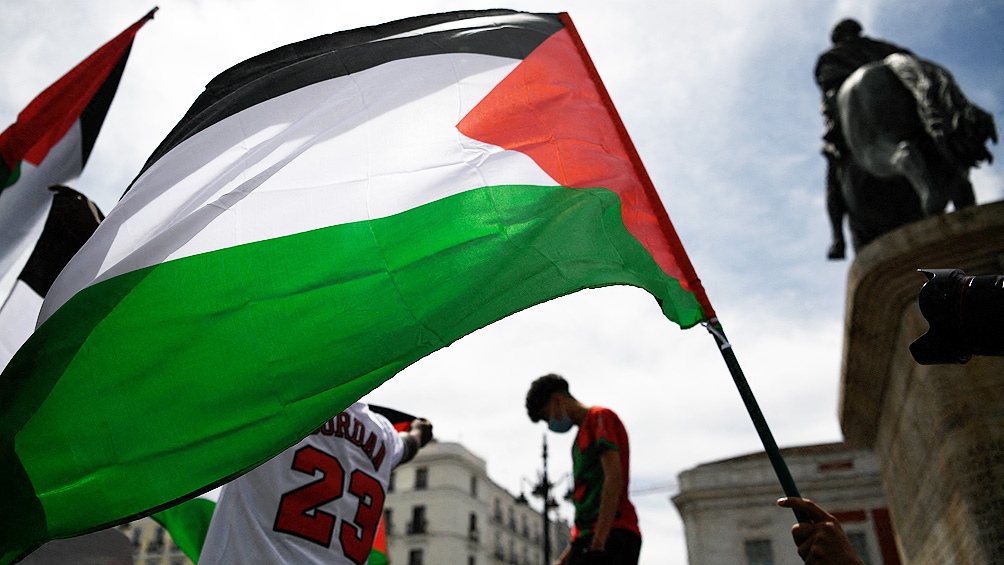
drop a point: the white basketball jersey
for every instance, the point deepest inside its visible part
(318, 502)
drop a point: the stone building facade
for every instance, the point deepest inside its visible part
(152, 545)
(937, 430)
(730, 514)
(443, 509)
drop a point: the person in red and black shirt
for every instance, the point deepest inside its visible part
(606, 524)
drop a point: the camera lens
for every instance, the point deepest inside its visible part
(981, 309)
(966, 317)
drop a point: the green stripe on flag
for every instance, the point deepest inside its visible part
(9, 176)
(187, 524)
(268, 339)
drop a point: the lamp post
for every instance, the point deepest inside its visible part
(543, 490)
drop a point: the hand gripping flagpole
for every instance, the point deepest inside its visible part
(759, 422)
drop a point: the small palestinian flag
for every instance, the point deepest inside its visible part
(325, 215)
(379, 554)
(51, 142)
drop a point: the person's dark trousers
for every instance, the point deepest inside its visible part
(623, 548)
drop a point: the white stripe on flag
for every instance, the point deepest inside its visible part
(25, 205)
(13, 274)
(343, 150)
(17, 320)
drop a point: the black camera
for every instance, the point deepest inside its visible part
(966, 317)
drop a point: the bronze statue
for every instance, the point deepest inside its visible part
(900, 136)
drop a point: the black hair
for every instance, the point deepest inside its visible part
(540, 394)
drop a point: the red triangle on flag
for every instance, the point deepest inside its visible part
(553, 108)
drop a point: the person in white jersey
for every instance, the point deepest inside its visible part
(319, 501)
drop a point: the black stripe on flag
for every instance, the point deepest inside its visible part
(94, 114)
(509, 34)
(72, 219)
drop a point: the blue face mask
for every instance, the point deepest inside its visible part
(561, 425)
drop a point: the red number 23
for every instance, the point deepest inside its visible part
(293, 517)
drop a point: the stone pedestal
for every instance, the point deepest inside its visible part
(937, 430)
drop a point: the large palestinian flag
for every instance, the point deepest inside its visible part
(50, 143)
(325, 215)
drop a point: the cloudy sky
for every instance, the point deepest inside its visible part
(719, 99)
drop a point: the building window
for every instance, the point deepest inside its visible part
(393, 480)
(416, 557)
(499, 552)
(472, 527)
(471, 560)
(860, 544)
(497, 515)
(156, 545)
(474, 486)
(758, 552)
(418, 523)
(137, 536)
(421, 478)
(388, 521)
